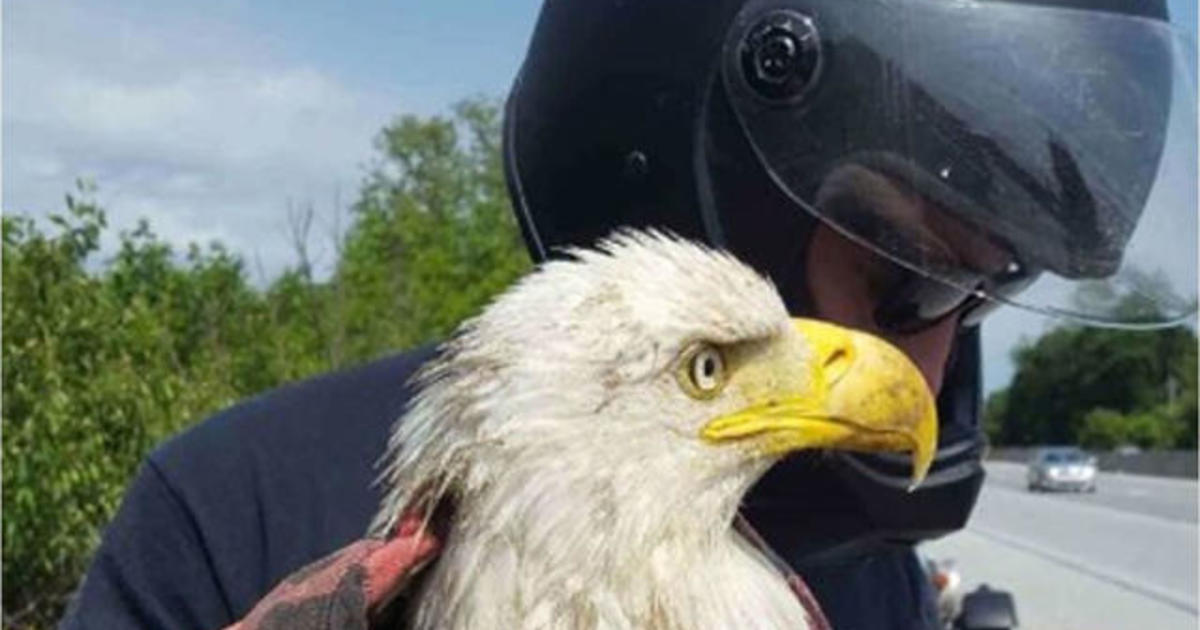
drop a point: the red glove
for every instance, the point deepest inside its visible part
(345, 589)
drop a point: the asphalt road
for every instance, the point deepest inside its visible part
(1124, 557)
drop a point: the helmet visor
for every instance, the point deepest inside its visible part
(985, 144)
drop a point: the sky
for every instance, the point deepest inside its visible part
(211, 118)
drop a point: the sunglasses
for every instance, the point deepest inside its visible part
(915, 301)
(908, 301)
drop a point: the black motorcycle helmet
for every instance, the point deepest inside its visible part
(1038, 124)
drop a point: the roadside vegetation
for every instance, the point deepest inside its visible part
(1100, 389)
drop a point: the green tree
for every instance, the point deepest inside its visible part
(994, 411)
(433, 236)
(1104, 429)
(1105, 386)
(1143, 379)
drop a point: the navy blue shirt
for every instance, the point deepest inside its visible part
(219, 514)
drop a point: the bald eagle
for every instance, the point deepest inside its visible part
(596, 427)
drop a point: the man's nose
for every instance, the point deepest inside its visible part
(929, 349)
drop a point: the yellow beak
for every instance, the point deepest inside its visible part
(843, 390)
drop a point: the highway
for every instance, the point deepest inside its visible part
(1124, 557)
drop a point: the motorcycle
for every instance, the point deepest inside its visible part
(984, 608)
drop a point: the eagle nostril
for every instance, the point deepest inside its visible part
(837, 364)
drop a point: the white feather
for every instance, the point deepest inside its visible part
(584, 496)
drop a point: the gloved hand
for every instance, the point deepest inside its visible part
(346, 589)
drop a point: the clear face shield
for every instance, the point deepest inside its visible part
(996, 153)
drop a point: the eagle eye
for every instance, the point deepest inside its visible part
(702, 371)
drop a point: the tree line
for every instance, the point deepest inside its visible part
(1100, 388)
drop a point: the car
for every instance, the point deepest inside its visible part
(1061, 468)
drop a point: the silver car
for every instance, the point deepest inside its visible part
(1061, 468)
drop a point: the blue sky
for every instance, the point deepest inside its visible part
(209, 118)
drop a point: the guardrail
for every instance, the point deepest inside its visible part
(1181, 464)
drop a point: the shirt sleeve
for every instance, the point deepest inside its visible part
(152, 568)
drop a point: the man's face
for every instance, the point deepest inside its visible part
(847, 281)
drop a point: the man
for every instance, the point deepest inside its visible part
(897, 167)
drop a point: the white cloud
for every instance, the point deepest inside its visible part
(194, 127)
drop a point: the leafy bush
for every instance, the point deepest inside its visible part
(1105, 429)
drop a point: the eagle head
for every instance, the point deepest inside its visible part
(595, 428)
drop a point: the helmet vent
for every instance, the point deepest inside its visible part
(781, 56)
